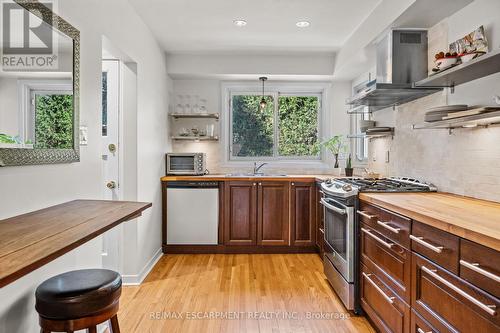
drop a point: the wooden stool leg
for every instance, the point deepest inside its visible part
(115, 327)
(92, 329)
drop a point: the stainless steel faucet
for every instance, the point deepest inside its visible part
(257, 168)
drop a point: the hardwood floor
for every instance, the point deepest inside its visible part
(269, 293)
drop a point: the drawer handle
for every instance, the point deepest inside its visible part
(419, 330)
(388, 299)
(388, 227)
(420, 240)
(378, 239)
(368, 216)
(476, 268)
(490, 309)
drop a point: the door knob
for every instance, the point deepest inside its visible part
(111, 185)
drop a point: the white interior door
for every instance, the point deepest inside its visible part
(110, 156)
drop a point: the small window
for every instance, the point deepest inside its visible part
(53, 119)
(46, 113)
(287, 128)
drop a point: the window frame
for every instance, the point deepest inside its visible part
(276, 90)
(27, 90)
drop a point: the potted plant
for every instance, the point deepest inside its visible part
(348, 167)
(335, 145)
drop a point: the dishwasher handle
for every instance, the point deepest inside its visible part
(193, 184)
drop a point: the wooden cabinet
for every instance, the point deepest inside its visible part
(480, 266)
(303, 214)
(436, 245)
(419, 325)
(256, 213)
(449, 303)
(451, 284)
(273, 213)
(388, 259)
(386, 310)
(240, 213)
(393, 226)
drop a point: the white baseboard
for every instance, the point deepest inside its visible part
(134, 280)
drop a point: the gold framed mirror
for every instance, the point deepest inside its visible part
(39, 86)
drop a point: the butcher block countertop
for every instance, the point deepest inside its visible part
(472, 219)
(221, 178)
(31, 240)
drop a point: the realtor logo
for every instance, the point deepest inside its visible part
(27, 39)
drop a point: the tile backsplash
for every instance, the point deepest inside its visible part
(465, 162)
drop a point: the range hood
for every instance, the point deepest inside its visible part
(401, 61)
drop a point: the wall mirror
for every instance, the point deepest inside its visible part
(39, 85)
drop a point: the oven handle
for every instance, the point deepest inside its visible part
(335, 209)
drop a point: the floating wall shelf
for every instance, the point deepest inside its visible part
(195, 115)
(477, 120)
(370, 136)
(195, 138)
(482, 66)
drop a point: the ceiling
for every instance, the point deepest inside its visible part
(201, 26)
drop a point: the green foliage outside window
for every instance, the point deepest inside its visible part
(54, 121)
(253, 129)
(298, 126)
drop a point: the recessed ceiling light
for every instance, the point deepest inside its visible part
(303, 24)
(240, 23)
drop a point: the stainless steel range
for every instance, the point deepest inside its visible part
(340, 204)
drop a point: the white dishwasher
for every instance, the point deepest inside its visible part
(192, 213)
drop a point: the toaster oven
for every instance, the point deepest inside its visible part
(186, 164)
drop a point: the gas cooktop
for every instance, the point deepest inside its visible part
(345, 187)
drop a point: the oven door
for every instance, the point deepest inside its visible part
(339, 236)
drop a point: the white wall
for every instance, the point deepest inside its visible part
(468, 161)
(29, 188)
(9, 111)
(335, 122)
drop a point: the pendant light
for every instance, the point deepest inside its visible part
(263, 102)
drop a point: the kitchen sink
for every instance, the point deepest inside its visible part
(263, 175)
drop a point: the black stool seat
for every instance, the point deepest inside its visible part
(77, 294)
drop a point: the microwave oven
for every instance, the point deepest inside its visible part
(186, 163)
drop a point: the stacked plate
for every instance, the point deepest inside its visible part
(378, 131)
(438, 113)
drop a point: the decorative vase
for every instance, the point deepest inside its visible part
(349, 172)
(337, 172)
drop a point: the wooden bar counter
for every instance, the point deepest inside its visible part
(31, 240)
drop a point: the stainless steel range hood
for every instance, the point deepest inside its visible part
(401, 60)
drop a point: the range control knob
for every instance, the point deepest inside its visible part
(347, 187)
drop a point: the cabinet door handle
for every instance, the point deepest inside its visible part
(476, 268)
(254, 184)
(368, 216)
(387, 298)
(419, 330)
(420, 240)
(388, 227)
(378, 239)
(260, 184)
(490, 309)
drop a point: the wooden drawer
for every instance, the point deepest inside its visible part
(387, 311)
(391, 225)
(436, 245)
(449, 303)
(419, 325)
(389, 261)
(480, 266)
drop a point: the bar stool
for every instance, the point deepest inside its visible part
(79, 300)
